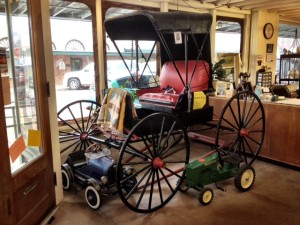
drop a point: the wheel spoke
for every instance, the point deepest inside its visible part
(239, 111)
(168, 136)
(137, 184)
(69, 125)
(151, 191)
(249, 110)
(249, 147)
(172, 172)
(174, 151)
(161, 132)
(253, 140)
(176, 140)
(74, 119)
(234, 117)
(144, 189)
(68, 138)
(147, 146)
(135, 152)
(77, 143)
(166, 179)
(253, 114)
(159, 187)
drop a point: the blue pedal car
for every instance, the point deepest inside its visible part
(94, 170)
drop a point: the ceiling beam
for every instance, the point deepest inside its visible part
(226, 2)
(85, 14)
(249, 4)
(63, 9)
(285, 7)
(270, 5)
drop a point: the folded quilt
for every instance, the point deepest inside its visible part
(112, 111)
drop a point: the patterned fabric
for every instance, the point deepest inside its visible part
(112, 111)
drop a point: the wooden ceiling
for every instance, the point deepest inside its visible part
(289, 10)
(285, 8)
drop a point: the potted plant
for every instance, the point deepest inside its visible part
(218, 71)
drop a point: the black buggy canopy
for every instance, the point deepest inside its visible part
(160, 26)
(145, 25)
(194, 36)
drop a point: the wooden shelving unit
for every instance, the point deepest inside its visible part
(289, 70)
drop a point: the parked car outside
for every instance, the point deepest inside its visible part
(77, 79)
(119, 75)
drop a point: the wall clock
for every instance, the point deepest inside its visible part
(268, 30)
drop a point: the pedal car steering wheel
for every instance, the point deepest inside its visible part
(94, 151)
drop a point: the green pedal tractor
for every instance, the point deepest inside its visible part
(214, 168)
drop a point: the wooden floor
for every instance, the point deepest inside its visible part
(273, 200)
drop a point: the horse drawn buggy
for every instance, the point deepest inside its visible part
(152, 138)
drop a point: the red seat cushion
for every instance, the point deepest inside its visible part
(161, 98)
(170, 77)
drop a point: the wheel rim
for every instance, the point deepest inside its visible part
(157, 159)
(241, 127)
(207, 196)
(65, 180)
(92, 197)
(76, 124)
(247, 178)
(74, 84)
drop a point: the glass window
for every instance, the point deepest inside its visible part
(228, 36)
(130, 63)
(228, 48)
(22, 119)
(73, 55)
(288, 43)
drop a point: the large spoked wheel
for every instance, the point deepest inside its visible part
(158, 160)
(241, 127)
(76, 124)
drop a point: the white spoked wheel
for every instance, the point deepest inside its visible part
(206, 196)
(93, 197)
(245, 178)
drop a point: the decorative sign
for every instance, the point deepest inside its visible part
(34, 138)
(270, 48)
(199, 100)
(265, 79)
(17, 148)
(178, 37)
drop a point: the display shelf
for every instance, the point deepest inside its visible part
(289, 70)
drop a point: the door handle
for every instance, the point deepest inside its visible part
(30, 188)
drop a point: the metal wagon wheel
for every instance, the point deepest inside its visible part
(76, 124)
(241, 127)
(158, 160)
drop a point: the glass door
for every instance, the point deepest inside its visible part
(21, 115)
(26, 172)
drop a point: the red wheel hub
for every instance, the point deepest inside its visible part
(244, 132)
(83, 136)
(158, 163)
